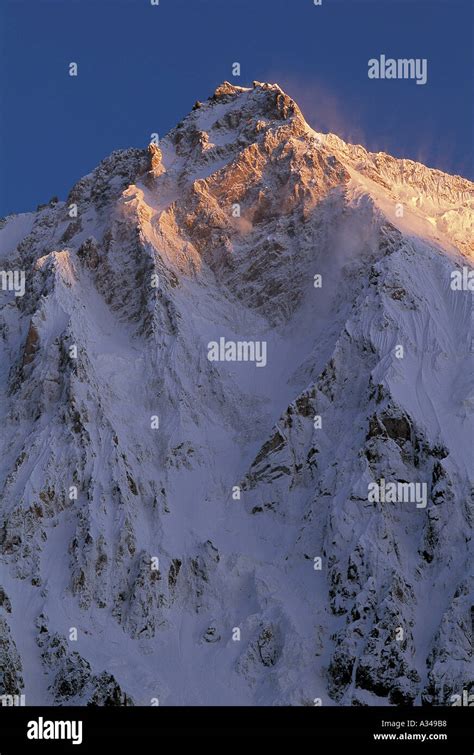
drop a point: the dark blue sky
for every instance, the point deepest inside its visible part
(141, 68)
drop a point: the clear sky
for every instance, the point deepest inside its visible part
(141, 68)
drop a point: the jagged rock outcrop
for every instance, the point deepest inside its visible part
(11, 669)
(72, 681)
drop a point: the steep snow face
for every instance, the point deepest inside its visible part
(181, 529)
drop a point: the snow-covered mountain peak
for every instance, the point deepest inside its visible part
(203, 520)
(247, 131)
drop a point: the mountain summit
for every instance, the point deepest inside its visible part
(179, 526)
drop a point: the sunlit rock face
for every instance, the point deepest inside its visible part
(181, 529)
